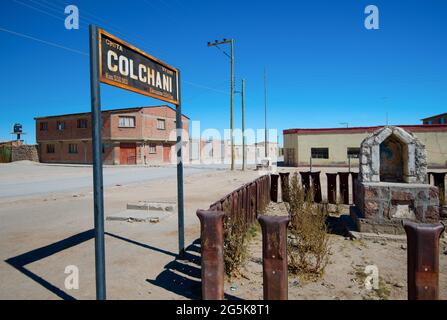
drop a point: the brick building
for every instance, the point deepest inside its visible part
(142, 135)
(438, 119)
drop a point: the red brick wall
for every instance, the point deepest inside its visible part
(145, 130)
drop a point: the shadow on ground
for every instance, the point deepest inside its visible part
(340, 225)
(182, 276)
(20, 262)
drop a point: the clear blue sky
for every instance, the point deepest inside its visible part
(324, 68)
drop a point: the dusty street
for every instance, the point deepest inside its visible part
(41, 235)
(50, 228)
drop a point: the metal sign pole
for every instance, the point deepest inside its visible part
(180, 201)
(97, 166)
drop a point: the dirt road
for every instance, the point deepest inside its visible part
(40, 236)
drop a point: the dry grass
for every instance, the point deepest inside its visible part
(237, 233)
(308, 248)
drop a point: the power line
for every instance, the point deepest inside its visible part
(39, 10)
(42, 41)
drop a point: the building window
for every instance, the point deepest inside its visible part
(320, 153)
(50, 148)
(161, 124)
(60, 125)
(72, 148)
(126, 122)
(441, 121)
(429, 122)
(82, 123)
(43, 126)
(152, 148)
(354, 153)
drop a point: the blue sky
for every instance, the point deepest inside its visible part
(324, 67)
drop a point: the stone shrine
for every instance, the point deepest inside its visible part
(393, 183)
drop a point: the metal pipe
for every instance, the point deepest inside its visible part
(212, 238)
(265, 113)
(180, 195)
(243, 124)
(232, 104)
(423, 260)
(274, 256)
(98, 195)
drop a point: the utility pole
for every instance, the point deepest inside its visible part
(216, 44)
(243, 125)
(265, 113)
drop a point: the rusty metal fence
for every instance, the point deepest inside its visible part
(252, 199)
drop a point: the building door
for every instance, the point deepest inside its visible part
(128, 153)
(166, 153)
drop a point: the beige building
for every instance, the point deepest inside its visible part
(340, 146)
(219, 152)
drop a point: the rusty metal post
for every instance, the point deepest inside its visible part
(285, 185)
(274, 256)
(331, 188)
(423, 260)
(344, 186)
(212, 238)
(316, 186)
(439, 182)
(305, 181)
(274, 187)
(355, 178)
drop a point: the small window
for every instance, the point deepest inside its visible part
(72, 148)
(43, 126)
(429, 122)
(50, 148)
(126, 122)
(354, 153)
(441, 121)
(161, 124)
(82, 123)
(320, 153)
(60, 125)
(152, 148)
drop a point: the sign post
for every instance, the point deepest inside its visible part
(117, 63)
(98, 194)
(180, 200)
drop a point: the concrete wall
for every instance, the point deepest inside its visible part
(297, 146)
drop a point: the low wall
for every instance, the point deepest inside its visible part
(25, 152)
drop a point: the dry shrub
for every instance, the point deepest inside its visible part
(308, 248)
(236, 238)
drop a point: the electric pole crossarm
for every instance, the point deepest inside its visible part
(231, 42)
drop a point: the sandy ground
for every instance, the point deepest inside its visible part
(41, 236)
(344, 276)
